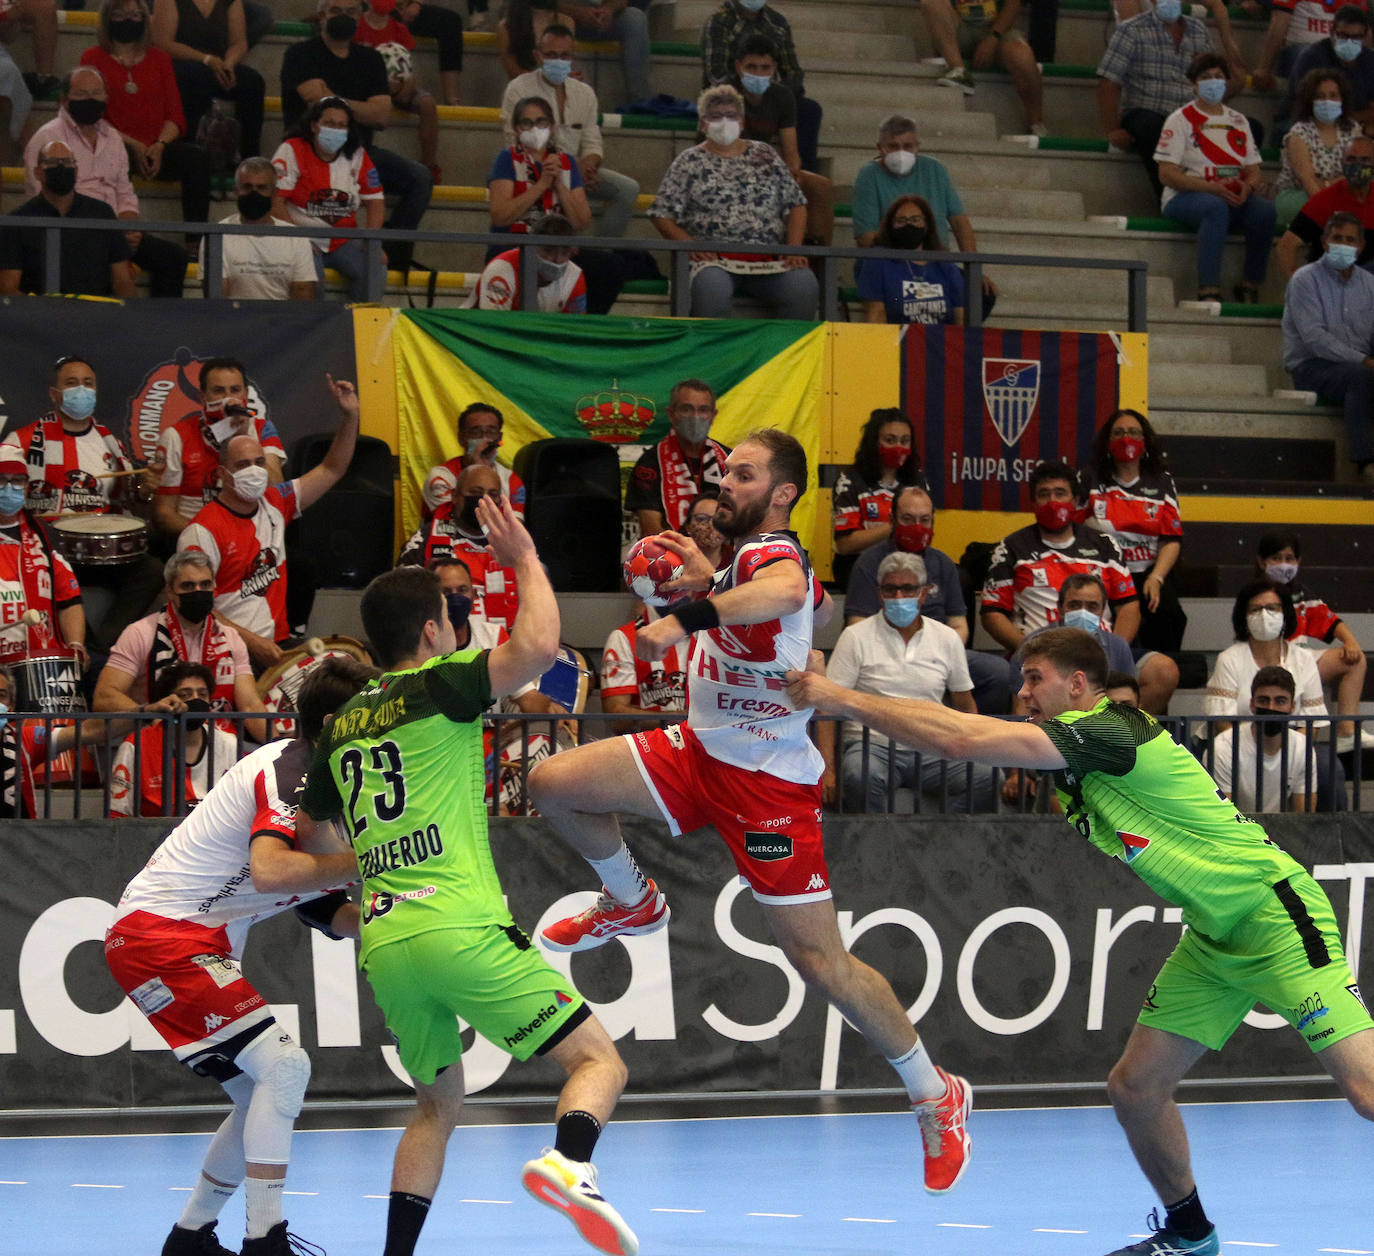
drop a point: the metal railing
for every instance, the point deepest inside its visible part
(827, 257)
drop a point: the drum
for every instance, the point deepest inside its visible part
(279, 684)
(100, 540)
(48, 683)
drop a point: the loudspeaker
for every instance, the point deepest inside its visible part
(345, 538)
(569, 466)
(572, 509)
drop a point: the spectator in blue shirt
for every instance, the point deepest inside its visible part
(1328, 333)
(1345, 49)
(911, 290)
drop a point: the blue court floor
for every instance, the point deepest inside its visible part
(1293, 1178)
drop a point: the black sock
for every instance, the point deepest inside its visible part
(577, 1135)
(404, 1219)
(1187, 1219)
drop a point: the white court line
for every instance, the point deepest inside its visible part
(790, 1216)
(1047, 1230)
(311, 1193)
(97, 1186)
(187, 1189)
(700, 1211)
(962, 1225)
(1348, 1251)
(1243, 1243)
(376, 1196)
(484, 1201)
(8, 1182)
(873, 1220)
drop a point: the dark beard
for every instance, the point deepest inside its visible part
(743, 521)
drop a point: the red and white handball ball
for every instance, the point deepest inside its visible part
(648, 567)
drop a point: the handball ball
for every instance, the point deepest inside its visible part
(648, 567)
(397, 58)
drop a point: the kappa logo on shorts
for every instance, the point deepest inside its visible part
(213, 1021)
(817, 882)
(222, 971)
(768, 847)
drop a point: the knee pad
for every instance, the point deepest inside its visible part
(279, 1067)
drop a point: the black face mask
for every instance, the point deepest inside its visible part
(197, 705)
(340, 26)
(907, 237)
(59, 180)
(195, 604)
(127, 30)
(459, 608)
(86, 112)
(467, 517)
(253, 205)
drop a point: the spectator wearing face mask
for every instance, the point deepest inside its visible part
(1264, 766)
(909, 289)
(1314, 148)
(243, 530)
(1328, 333)
(670, 474)
(194, 748)
(700, 526)
(479, 437)
(561, 286)
(1345, 49)
(266, 267)
(1342, 663)
(1293, 26)
(1348, 195)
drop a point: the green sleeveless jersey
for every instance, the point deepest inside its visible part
(402, 764)
(1137, 795)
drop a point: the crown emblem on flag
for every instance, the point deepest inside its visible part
(615, 414)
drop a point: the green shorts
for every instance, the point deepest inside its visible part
(489, 975)
(1287, 955)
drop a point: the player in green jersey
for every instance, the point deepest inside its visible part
(403, 766)
(1260, 928)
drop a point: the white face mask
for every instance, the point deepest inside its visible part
(723, 131)
(1280, 573)
(899, 163)
(536, 138)
(250, 483)
(1266, 624)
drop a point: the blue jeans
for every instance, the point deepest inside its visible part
(615, 195)
(350, 260)
(412, 185)
(631, 28)
(789, 294)
(1353, 383)
(1212, 217)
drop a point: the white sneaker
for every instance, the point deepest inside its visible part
(958, 77)
(571, 1187)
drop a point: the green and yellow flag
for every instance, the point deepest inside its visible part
(606, 378)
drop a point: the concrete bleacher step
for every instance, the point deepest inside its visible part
(1175, 349)
(1214, 379)
(686, 18)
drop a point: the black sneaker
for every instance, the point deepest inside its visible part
(276, 1242)
(201, 1242)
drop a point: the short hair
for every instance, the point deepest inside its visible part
(68, 358)
(450, 560)
(525, 101)
(395, 608)
(786, 458)
(1123, 680)
(901, 560)
(167, 680)
(1342, 218)
(1252, 588)
(910, 488)
(552, 225)
(1307, 90)
(221, 364)
(1280, 677)
(696, 385)
(1053, 471)
(1281, 539)
(330, 683)
(1205, 61)
(255, 165)
(1069, 650)
(557, 28)
(172, 568)
(754, 44)
(1351, 13)
(1081, 580)
(479, 407)
(895, 124)
(74, 71)
(717, 93)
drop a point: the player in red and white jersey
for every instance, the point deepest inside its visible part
(175, 948)
(744, 764)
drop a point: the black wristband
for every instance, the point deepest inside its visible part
(696, 616)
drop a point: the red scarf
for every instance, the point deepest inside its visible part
(675, 477)
(35, 576)
(169, 646)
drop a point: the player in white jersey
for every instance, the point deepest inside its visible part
(175, 948)
(743, 763)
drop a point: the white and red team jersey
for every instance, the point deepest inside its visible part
(32, 575)
(190, 461)
(1137, 516)
(1215, 147)
(737, 702)
(498, 288)
(443, 479)
(657, 685)
(495, 595)
(322, 193)
(1025, 574)
(250, 556)
(65, 468)
(1311, 19)
(217, 757)
(1315, 618)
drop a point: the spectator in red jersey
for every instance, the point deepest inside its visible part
(561, 286)
(203, 753)
(1302, 242)
(1279, 559)
(144, 104)
(682, 464)
(379, 28)
(631, 685)
(188, 452)
(1132, 498)
(244, 529)
(886, 459)
(479, 435)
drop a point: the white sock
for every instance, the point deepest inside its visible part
(918, 1074)
(622, 877)
(207, 1201)
(264, 1204)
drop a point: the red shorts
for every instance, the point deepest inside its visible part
(772, 826)
(183, 980)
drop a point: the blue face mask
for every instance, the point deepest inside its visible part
(1168, 10)
(4, 715)
(1212, 90)
(755, 84)
(901, 612)
(753, 6)
(11, 499)
(1086, 620)
(556, 70)
(332, 138)
(1347, 49)
(1326, 110)
(78, 402)
(1340, 256)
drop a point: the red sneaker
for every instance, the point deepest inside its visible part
(944, 1127)
(607, 919)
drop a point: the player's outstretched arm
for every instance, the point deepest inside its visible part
(533, 644)
(930, 727)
